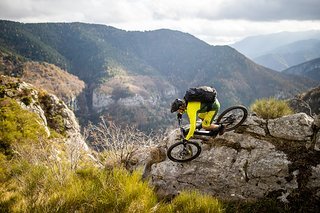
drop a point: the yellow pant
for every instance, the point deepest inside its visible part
(207, 118)
(192, 111)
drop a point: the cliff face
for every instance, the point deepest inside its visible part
(54, 115)
(140, 100)
(277, 158)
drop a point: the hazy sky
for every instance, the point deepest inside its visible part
(214, 21)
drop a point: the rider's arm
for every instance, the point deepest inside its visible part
(192, 109)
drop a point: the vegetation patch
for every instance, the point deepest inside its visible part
(271, 108)
(193, 201)
(17, 125)
(27, 100)
(39, 188)
(2, 91)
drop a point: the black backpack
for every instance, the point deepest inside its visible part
(202, 94)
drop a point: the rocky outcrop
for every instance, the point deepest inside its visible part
(131, 91)
(53, 112)
(307, 102)
(278, 158)
(141, 100)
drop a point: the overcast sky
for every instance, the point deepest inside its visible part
(214, 21)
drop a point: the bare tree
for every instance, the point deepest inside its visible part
(119, 143)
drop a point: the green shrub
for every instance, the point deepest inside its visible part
(270, 108)
(2, 167)
(2, 91)
(17, 125)
(57, 123)
(38, 188)
(27, 100)
(192, 201)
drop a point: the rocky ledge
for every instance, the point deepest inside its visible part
(277, 158)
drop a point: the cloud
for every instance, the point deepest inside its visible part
(214, 21)
(269, 10)
(122, 10)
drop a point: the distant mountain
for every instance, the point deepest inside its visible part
(255, 46)
(291, 54)
(133, 76)
(310, 69)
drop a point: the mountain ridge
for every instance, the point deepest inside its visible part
(254, 46)
(283, 49)
(290, 55)
(97, 54)
(310, 69)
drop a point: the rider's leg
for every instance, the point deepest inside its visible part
(208, 125)
(208, 119)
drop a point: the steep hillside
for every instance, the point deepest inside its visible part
(84, 49)
(307, 102)
(30, 115)
(187, 61)
(289, 55)
(43, 75)
(310, 69)
(156, 67)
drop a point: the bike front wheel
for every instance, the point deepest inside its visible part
(233, 117)
(184, 151)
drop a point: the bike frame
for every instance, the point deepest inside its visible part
(196, 132)
(183, 154)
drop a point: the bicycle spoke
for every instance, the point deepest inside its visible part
(182, 152)
(233, 117)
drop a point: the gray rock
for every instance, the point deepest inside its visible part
(317, 142)
(250, 171)
(249, 164)
(255, 125)
(294, 127)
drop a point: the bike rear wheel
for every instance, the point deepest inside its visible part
(184, 151)
(233, 117)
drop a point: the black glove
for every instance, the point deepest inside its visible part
(179, 115)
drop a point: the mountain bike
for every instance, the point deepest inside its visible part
(184, 150)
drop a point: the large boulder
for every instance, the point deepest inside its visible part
(293, 127)
(277, 157)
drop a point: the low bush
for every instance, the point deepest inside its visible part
(35, 177)
(36, 188)
(270, 108)
(17, 125)
(193, 201)
(27, 187)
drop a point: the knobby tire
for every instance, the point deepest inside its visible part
(234, 108)
(190, 143)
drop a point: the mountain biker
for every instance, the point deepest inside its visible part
(205, 111)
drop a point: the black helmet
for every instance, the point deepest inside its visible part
(176, 104)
